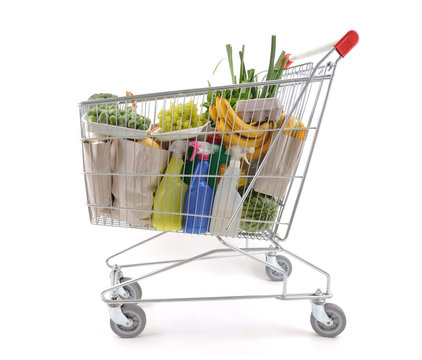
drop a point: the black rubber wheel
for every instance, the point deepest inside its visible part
(138, 317)
(134, 290)
(285, 264)
(336, 314)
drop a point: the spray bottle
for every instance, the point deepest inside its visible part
(170, 196)
(199, 198)
(227, 198)
(216, 160)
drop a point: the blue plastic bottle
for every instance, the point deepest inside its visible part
(199, 197)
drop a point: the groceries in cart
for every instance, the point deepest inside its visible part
(227, 197)
(116, 115)
(137, 170)
(192, 184)
(183, 164)
(98, 178)
(236, 132)
(180, 117)
(259, 211)
(170, 196)
(275, 180)
(217, 161)
(114, 118)
(200, 196)
(258, 110)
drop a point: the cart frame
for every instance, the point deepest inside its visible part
(115, 296)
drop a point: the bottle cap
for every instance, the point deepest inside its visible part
(214, 139)
(238, 152)
(203, 149)
(178, 148)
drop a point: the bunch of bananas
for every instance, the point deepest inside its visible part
(235, 131)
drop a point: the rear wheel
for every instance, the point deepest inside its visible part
(285, 264)
(133, 290)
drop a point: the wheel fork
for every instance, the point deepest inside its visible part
(272, 260)
(318, 310)
(115, 310)
(115, 276)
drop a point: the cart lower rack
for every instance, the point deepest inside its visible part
(228, 162)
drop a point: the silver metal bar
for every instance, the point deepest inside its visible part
(176, 93)
(193, 176)
(254, 251)
(241, 297)
(180, 213)
(304, 297)
(159, 135)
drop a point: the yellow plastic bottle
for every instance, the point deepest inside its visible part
(171, 192)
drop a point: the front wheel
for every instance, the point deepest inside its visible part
(138, 319)
(336, 314)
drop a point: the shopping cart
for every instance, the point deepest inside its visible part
(127, 185)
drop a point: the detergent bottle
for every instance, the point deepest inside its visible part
(227, 198)
(170, 195)
(217, 159)
(199, 197)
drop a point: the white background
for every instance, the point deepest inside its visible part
(359, 217)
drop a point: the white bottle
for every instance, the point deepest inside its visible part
(226, 197)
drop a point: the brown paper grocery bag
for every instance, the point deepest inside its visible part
(281, 161)
(135, 192)
(96, 156)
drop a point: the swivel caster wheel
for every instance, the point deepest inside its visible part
(284, 263)
(137, 320)
(338, 318)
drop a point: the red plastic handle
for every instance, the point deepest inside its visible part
(347, 43)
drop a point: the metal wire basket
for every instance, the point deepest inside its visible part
(302, 97)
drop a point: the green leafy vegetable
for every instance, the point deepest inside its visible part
(111, 114)
(101, 96)
(112, 120)
(230, 59)
(270, 71)
(92, 118)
